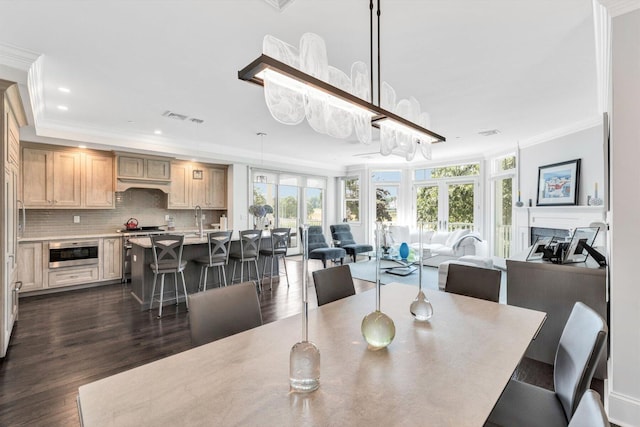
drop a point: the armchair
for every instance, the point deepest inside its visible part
(319, 249)
(341, 234)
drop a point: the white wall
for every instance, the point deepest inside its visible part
(587, 145)
(624, 384)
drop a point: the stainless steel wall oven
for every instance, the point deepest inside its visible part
(73, 253)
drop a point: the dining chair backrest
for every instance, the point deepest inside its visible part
(473, 281)
(280, 240)
(590, 412)
(250, 243)
(333, 284)
(167, 250)
(583, 339)
(221, 312)
(219, 242)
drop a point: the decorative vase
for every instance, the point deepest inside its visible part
(421, 308)
(304, 359)
(404, 250)
(377, 328)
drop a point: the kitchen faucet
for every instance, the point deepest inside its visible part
(199, 219)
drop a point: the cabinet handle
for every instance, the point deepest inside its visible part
(18, 286)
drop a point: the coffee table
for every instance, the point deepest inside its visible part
(398, 266)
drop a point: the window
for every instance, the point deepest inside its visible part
(351, 199)
(503, 173)
(445, 196)
(387, 188)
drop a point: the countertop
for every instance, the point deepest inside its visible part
(116, 233)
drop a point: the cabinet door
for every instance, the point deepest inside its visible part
(131, 167)
(13, 141)
(217, 189)
(112, 258)
(158, 169)
(98, 182)
(10, 277)
(30, 267)
(66, 179)
(199, 186)
(179, 196)
(37, 178)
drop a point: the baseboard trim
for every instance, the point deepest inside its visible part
(623, 410)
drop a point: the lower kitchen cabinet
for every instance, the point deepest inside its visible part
(31, 266)
(111, 258)
(72, 276)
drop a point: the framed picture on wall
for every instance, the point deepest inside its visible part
(558, 184)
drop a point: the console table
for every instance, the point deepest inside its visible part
(554, 289)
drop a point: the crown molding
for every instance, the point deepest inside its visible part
(17, 57)
(36, 90)
(620, 7)
(563, 131)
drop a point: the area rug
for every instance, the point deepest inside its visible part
(366, 270)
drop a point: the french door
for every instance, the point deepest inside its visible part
(446, 205)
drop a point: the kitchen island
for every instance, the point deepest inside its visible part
(194, 247)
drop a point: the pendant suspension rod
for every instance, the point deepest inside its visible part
(371, 47)
(379, 79)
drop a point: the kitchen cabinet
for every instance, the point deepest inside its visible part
(72, 276)
(30, 266)
(140, 167)
(111, 258)
(66, 179)
(197, 185)
(51, 179)
(12, 116)
(98, 182)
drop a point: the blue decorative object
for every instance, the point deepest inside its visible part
(404, 250)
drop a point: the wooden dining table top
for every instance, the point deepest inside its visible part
(449, 371)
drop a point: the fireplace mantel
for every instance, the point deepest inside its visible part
(563, 217)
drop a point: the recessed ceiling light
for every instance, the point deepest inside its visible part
(64, 89)
(489, 132)
(63, 107)
(82, 146)
(157, 132)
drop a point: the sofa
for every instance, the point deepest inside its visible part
(438, 246)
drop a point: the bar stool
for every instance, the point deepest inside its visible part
(167, 258)
(219, 242)
(278, 249)
(249, 252)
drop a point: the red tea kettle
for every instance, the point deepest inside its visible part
(131, 224)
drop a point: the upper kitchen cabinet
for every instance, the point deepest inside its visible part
(197, 185)
(51, 179)
(98, 181)
(138, 167)
(65, 179)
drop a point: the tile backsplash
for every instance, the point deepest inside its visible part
(148, 206)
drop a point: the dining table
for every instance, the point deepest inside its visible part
(448, 371)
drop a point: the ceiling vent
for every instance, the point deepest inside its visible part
(175, 116)
(196, 121)
(489, 132)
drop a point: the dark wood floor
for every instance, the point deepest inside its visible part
(65, 340)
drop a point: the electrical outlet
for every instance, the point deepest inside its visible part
(166, 217)
(76, 219)
(204, 217)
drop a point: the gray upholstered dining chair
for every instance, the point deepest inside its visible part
(521, 404)
(471, 281)
(278, 249)
(167, 258)
(221, 312)
(590, 412)
(341, 234)
(333, 284)
(218, 244)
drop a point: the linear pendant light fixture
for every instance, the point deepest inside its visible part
(301, 84)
